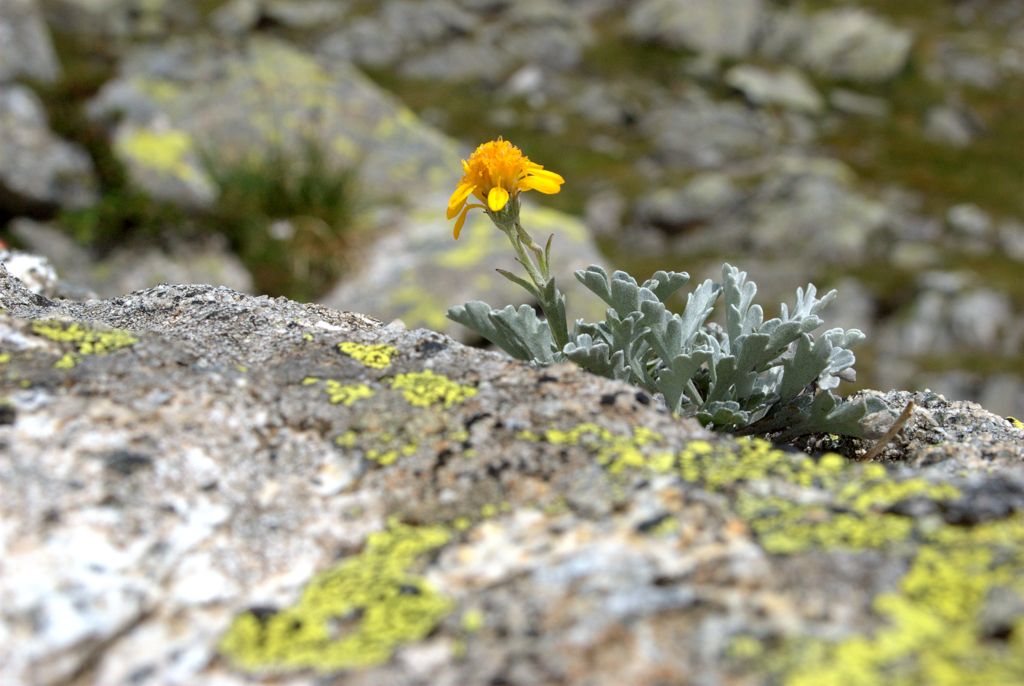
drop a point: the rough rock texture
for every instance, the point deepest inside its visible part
(206, 487)
(37, 169)
(130, 268)
(25, 48)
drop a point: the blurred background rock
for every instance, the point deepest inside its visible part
(306, 148)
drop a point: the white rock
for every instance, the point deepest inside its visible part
(787, 88)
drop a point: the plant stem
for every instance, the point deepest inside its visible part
(540, 275)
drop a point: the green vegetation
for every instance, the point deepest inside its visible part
(289, 217)
(289, 220)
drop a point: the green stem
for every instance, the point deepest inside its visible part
(524, 244)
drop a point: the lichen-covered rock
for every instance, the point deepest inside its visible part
(180, 103)
(38, 170)
(192, 98)
(206, 487)
(25, 47)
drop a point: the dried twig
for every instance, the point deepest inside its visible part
(876, 450)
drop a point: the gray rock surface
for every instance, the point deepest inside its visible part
(25, 47)
(720, 27)
(38, 169)
(121, 20)
(854, 44)
(784, 206)
(194, 479)
(787, 88)
(697, 131)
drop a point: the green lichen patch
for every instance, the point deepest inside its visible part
(352, 616)
(84, 340)
(851, 508)
(374, 356)
(423, 389)
(614, 452)
(170, 152)
(339, 393)
(385, 449)
(940, 624)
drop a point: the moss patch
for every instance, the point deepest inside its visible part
(349, 617)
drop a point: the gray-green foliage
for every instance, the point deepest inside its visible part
(750, 376)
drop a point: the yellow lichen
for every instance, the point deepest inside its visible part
(341, 394)
(856, 516)
(386, 455)
(349, 617)
(473, 620)
(84, 340)
(374, 356)
(163, 151)
(66, 362)
(423, 389)
(5, 358)
(933, 632)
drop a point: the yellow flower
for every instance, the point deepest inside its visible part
(496, 173)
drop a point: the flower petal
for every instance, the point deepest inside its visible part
(458, 198)
(497, 198)
(461, 220)
(545, 174)
(539, 183)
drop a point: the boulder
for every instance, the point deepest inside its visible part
(180, 103)
(25, 47)
(696, 131)
(853, 44)
(206, 487)
(195, 98)
(121, 19)
(726, 28)
(787, 88)
(38, 170)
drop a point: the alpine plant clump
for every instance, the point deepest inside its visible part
(749, 377)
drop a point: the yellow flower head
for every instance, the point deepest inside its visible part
(496, 173)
